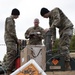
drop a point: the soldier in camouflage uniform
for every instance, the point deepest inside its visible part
(58, 19)
(35, 34)
(11, 40)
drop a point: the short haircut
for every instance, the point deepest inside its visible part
(36, 19)
(15, 12)
(44, 11)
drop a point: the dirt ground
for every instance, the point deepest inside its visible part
(61, 73)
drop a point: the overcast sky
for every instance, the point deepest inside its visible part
(30, 9)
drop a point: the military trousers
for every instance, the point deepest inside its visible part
(64, 43)
(11, 55)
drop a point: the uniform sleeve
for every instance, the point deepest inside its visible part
(53, 34)
(11, 28)
(55, 23)
(27, 34)
(56, 18)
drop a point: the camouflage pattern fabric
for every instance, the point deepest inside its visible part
(59, 20)
(37, 40)
(10, 41)
(10, 32)
(11, 55)
(64, 43)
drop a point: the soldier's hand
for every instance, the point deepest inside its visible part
(19, 41)
(35, 36)
(27, 36)
(47, 29)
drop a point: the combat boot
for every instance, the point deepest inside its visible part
(67, 65)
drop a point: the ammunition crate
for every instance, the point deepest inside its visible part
(55, 62)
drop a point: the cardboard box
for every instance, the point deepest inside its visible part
(36, 52)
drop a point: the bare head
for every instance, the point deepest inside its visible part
(36, 22)
(44, 12)
(15, 13)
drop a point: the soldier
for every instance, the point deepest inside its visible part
(11, 40)
(35, 34)
(58, 19)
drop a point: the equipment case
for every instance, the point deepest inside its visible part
(55, 62)
(36, 52)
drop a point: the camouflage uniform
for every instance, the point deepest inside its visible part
(59, 20)
(37, 40)
(11, 42)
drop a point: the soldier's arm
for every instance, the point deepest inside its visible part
(11, 29)
(27, 34)
(56, 21)
(56, 18)
(53, 34)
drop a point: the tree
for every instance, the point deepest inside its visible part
(74, 31)
(72, 44)
(55, 47)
